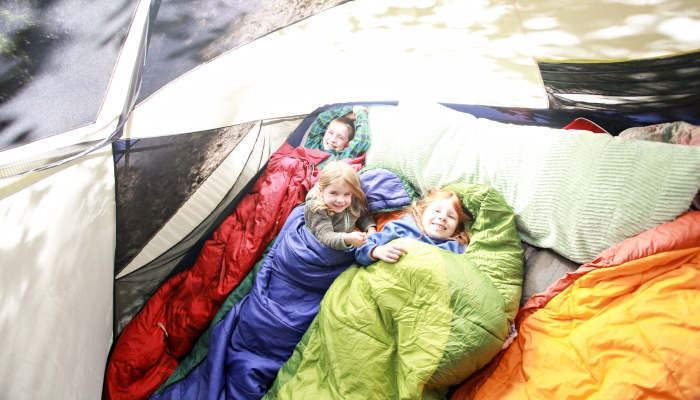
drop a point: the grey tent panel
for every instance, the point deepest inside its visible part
(155, 176)
(56, 71)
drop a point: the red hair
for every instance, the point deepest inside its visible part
(460, 235)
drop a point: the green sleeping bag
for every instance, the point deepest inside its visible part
(412, 329)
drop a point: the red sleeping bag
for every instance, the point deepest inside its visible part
(152, 344)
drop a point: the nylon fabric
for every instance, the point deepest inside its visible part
(143, 357)
(375, 186)
(259, 334)
(201, 348)
(413, 328)
(629, 310)
(606, 328)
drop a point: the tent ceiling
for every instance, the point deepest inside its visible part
(476, 52)
(609, 30)
(458, 52)
(189, 33)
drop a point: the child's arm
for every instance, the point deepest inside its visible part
(378, 245)
(321, 226)
(366, 223)
(390, 252)
(360, 143)
(318, 128)
(356, 239)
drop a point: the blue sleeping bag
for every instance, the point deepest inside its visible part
(257, 336)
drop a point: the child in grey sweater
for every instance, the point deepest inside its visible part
(335, 205)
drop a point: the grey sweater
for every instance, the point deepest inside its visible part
(330, 229)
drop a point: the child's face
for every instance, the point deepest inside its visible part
(440, 219)
(337, 197)
(336, 136)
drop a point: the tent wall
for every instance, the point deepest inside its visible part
(57, 238)
(196, 218)
(56, 64)
(155, 176)
(56, 254)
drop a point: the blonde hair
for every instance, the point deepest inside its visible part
(338, 171)
(460, 235)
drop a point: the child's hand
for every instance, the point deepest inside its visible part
(356, 239)
(371, 230)
(352, 114)
(358, 108)
(389, 252)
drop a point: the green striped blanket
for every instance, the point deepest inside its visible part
(572, 191)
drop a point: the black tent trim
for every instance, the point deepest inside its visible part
(628, 86)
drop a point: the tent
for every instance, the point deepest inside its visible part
(86, 241)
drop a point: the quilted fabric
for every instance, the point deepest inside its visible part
(166, 330)
(413, 328)
(622, 327)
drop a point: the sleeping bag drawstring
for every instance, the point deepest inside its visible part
(311, 173)
(163, 328)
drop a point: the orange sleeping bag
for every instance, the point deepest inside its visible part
(624, 326)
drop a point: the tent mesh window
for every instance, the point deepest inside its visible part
(156, 176)
(624, 86)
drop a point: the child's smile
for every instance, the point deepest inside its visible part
(337, 197)
(440, 219)
(336, 137)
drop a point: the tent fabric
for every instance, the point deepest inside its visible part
(662, 82)
(56, 276)
(572, 191)
(178, 242)
(413, 328)
(622, 326)
(174, 162)
(146, 353)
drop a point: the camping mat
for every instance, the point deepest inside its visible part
(413, 328)
(572, 191)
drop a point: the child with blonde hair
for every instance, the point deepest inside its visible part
(260, 332)
(336, 205)
(438, 219)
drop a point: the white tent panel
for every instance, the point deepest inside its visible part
(249, 156)
(57, 239)
(368, 50)
(614, 30)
